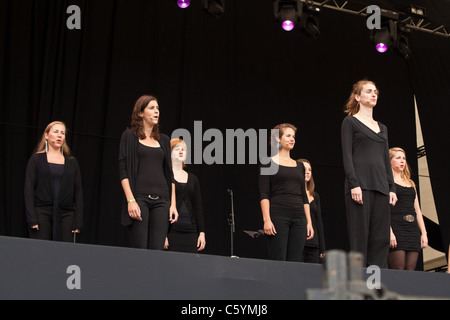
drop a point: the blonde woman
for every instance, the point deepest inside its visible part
(53, 191)
(408, 233)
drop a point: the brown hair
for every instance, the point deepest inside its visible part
(310, 186)
(352, 106)
(41, 145)
(137, 125)
(281, 128)
(406, 173)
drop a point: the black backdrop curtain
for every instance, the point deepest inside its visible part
(239, 71)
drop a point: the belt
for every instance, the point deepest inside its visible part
(152, 197)
(409, 218)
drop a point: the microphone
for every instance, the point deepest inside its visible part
(230, 191)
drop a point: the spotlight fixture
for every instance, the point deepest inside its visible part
(402, 44)
(215, 8)
(417, 11)
(385, 37)
(183, 3)
(287, 12)
(402, 47)
(310, 21)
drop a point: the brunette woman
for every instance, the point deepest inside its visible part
(146, 176)
(284, 202)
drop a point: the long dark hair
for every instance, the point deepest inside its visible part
(137, 125)
(310, 185)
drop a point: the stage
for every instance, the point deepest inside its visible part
(40, 270)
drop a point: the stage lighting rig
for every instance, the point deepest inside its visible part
(287, 12)
(215, 8)
(183, 3)
(386, 36)
(417, 11)
(309, 20)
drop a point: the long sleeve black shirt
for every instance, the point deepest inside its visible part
(366, 157)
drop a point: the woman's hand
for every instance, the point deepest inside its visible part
(357, 195)
(309, 231)
(393, 241)
(201, 241)
(134, 211)
(269, 228)
(423, 241)
(392, 198)
(173, 214)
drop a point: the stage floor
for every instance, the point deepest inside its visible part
(33, 269)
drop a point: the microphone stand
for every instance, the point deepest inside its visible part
(231, 222)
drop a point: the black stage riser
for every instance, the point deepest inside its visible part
(33, 269)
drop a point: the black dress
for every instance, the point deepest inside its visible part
(404, 220)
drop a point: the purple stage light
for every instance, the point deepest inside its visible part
(183, 3)
(381, 47)
(287, 25)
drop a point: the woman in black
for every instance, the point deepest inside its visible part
(315, 247)
(408, 232)
(53, 192)
(284, 203)
(146, 176)
(369, 185)
(188, 233)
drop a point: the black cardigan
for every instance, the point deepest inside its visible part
(191, 195)
(38, 189)
(129, 164)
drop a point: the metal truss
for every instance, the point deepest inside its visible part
(409, 21)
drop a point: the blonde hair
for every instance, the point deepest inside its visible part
(352, 106)
(406, 173)
(41, 145)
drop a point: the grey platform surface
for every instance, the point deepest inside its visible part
(33, 269)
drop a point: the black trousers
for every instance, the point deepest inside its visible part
(45, 222)
(368, 227)
(288, 243)
(151, 232)
(311, 255)
(183, 241)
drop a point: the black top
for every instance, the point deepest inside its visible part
(286, 188)
(57, 171)
(150, 179)
(189, 195)
(129, 164)
(318, 241)
(39, 189)
(366, 157)
(405, 203)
